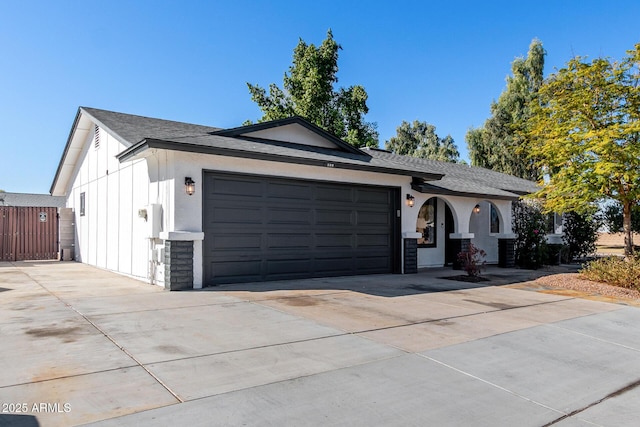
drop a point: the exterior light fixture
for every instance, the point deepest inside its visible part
(410, 200)
(476, 209)
(189, 185)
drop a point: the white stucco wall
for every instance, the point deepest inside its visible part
(111, 235)
(467, 225)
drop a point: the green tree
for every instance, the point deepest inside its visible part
(309, 92)
(585, 133)
(500, 144)
(419, 139)
(613, 219)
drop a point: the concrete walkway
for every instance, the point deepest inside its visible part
(82, 345)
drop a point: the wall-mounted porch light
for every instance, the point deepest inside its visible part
(410, 200)
(476, 209)
(189, 185)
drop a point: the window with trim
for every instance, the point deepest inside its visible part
(426, 224)
(82, 204)
(554, 223)
(495, 220)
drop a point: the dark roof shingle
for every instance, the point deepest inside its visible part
(131, 128)
(139, 133)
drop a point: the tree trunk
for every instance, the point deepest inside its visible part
(626, 225)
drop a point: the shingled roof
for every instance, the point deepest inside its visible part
(461, 178)
(129, 128)
(28, 199)
(140, 133)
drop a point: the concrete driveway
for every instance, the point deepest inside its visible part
(82, 345)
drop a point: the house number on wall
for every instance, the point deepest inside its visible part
(43, 217)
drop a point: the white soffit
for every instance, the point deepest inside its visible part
(72, 155)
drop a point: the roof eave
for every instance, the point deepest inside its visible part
(66, 151)
(136, 149)
(430, 189)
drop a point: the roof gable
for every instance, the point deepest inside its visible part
(129, 128)
(293, 130)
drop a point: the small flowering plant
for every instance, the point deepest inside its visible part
(472, 260)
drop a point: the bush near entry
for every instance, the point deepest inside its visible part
(472, 260)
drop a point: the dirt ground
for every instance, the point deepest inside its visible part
(613, 243)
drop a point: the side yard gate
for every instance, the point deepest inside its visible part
(28, 233)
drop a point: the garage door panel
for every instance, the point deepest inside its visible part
(287, 191)
(289, 241)
(332, 217)
(372, 240)
(288, 266)
(236, 215)
(266, 228)
(289, 216)
(374, 218)
(235, 186)
(372, 264)
(334, 241)
(333, 193)
(374, 196)
(237, 242)
(234, 271)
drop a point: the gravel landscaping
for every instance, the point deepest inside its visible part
(574, 281)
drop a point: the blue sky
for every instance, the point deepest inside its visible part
(439, 62)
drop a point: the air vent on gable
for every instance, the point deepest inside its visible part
(96, 137)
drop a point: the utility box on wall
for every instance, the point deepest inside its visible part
(152, 214)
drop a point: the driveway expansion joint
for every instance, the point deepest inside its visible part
(131, 356)
(618, 392)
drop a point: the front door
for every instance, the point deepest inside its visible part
(449, 228)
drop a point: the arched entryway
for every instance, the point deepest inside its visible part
(486, 224)
(435, 222)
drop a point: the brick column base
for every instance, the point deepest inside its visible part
(506, 253)
(178, 265)
(457, 246)
(410, 256)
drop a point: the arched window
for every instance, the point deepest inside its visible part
(426, 225)
(495, 220)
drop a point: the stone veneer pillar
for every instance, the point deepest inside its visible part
(506, 253)
(410, 252)
(459, 242)
(410, 256)
(178, 265)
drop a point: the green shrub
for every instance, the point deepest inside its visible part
(580, 234)
(617, 271)
(529, 223)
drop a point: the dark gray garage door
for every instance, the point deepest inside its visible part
(262, 228)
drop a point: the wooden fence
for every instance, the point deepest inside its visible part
(28, 233)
